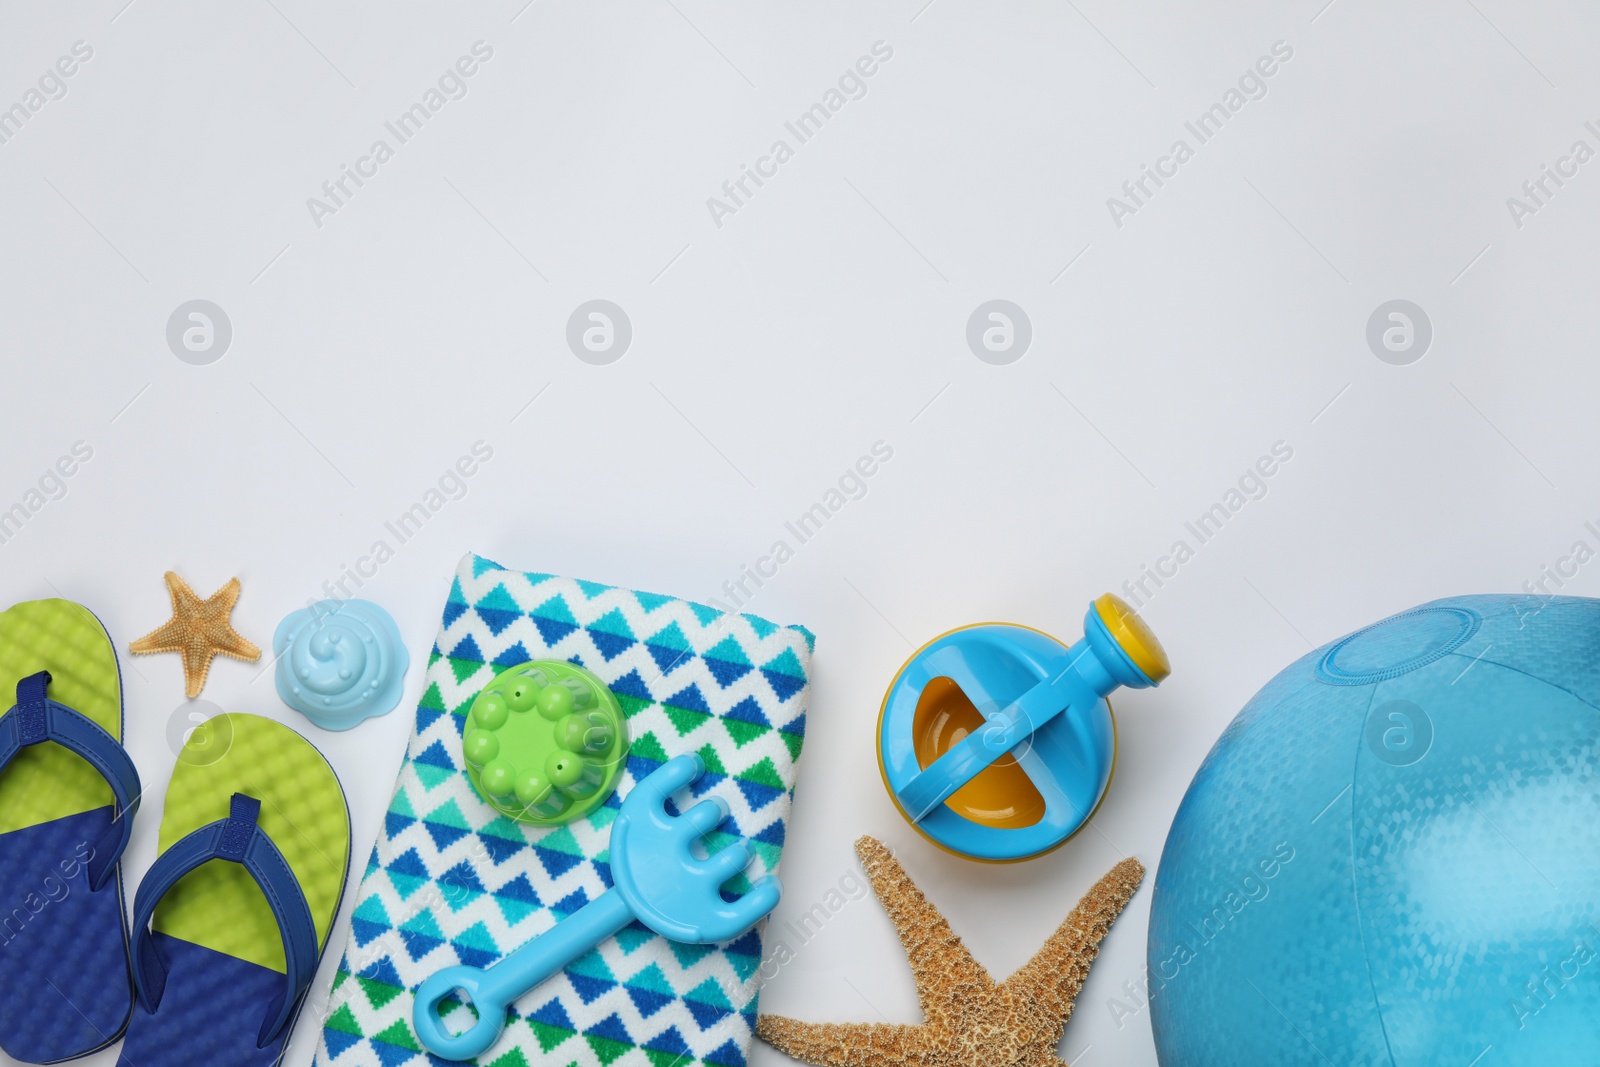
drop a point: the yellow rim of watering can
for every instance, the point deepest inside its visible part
(883, 772)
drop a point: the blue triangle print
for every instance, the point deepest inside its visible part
(707, 1015)
(497, 609)
(573, 901)
(481, 566)
(512, 656)
(409, 863)
(553, 1014)
(554, 620)
(592, 589)
(590, 989)
(384, 971)
(418, 945)
(338, 1041)
(610, 645)
(632, 685)
(520, 890)
(724, 672)
(391, 1055)
(426, 717)
(499, 848)
(668, 1041)
(668, 647)
(691, 699)
(648, 1001)
(367, 931)
(756, 794)
(747, 710)
(555, 863)
(394, 824)
(726, 1055)
(468, 650)
(612, 1029)
(453, 610)
(772, 834)
(444, 836)
(784, 673)
(436, 755)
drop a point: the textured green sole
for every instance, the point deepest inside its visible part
(47, 782)
(219, 906)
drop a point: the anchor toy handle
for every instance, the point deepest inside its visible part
(1117, 649)
(491, 991)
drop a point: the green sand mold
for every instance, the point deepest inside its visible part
(48, 782)
(545, 742)
(218, 905)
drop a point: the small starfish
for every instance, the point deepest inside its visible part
(199, 630)
(969, 1020)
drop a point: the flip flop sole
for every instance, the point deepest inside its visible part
(63, 949)
(214, 928)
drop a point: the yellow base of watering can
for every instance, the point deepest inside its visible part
(996, 741)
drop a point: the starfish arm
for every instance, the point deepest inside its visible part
(1048, 983)
(182, 596)
(196, 665)
(168, 637)
(947, 976)
(223, 600)
(231, 643)
(843, 1044)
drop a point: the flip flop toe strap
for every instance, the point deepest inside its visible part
(35, 719)
(240, 840)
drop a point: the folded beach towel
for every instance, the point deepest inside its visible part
(452, 881)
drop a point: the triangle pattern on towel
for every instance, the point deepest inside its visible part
(452, 881)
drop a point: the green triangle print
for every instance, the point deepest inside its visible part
(712, 761)
(607, 1049)
(647, 747)
(763, 773)
(744, 732)
(548, 1036)
(343, 1021)
(399, 1036)
(432, 699)
(684, 720)
(514, 1058)
(379, 993)
(465, 668)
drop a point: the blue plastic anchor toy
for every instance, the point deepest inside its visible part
(996, 741)
(657, 881)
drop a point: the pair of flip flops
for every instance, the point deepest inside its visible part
(230, 922)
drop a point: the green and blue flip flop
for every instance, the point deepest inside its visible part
(68, 793)
(232, 919)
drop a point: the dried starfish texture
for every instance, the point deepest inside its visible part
(969, 1021)
(198, 630)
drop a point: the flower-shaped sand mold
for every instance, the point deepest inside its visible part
(340, 662)
(544, 742)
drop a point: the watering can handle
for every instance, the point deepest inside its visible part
(1005, 730)
(491, 991)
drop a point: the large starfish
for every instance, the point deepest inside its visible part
(969, 1020)
(199, 630)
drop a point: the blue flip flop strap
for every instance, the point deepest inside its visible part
(35, 719)
(240, 840)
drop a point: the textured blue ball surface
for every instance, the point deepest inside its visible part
(1392, 855)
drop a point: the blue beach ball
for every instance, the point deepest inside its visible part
(1392, 855)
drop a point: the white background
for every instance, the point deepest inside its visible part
(771, 352)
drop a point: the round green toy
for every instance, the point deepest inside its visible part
(545, 742)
